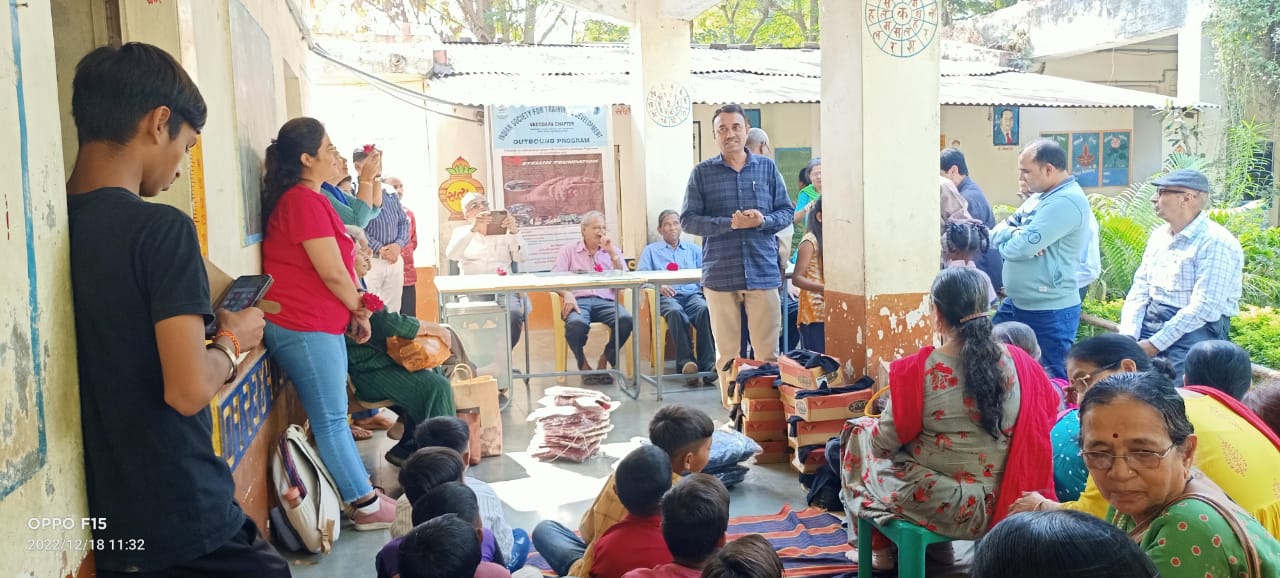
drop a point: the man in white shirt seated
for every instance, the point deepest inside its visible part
(478, 253)
(683, 306)
(1188, 286)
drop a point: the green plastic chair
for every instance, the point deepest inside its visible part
(911, 540)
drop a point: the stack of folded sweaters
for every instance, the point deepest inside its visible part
(570, 424)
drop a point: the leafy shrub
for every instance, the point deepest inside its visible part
(1257, 330)
(1109, 310)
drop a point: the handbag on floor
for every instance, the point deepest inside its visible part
(307, 493)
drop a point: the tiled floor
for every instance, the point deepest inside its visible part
(533, 491)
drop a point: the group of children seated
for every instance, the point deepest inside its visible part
(657, 516)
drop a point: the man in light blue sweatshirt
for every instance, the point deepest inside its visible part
(1041, 244)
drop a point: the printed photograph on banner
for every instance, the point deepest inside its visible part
(548, 194)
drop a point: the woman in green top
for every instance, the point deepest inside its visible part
(357, 210)
(811, 178)
(1139, 447)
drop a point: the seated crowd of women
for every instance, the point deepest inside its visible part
(1142, 478)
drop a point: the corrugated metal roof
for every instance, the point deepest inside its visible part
(507, 74)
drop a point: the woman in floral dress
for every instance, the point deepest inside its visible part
(965, 433)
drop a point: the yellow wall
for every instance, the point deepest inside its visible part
(1132, 67)
(789, 125)
(41, 472)
(995, 168)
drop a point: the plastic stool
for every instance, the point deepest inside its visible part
(911, 540)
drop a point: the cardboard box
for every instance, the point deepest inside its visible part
(762, 409)
(765, 431)
(480, 396)
(756, 388)
(812, 462)
(788, 394)
(793, 373)
(788, 410)
(808, 433)
(774, 453)
(833, 406)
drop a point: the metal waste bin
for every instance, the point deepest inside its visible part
(482, 326)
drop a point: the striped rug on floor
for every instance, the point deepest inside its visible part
(811, 542)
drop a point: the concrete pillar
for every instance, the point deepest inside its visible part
(661, 121)
(880, 115)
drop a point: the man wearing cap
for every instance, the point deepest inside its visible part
(478, 252)
(1189, 283)
(388, 233)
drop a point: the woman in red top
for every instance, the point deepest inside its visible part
(307, 251)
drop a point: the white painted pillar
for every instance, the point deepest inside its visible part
(661, 122)
(880, 126)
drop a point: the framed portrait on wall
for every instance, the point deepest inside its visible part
(1115, 158)
(1004, 125)
(1085, 147)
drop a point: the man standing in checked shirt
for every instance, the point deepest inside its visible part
(388, 234)
(736, 201)
(1188, 286)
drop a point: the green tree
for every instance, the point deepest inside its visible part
(523, 21)
(966, 9)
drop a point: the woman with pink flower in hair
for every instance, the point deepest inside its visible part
(479, 253)
(307, 251)
(683, 306)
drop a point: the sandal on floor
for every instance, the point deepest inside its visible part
(360, 433)
(882, 560)
(380, 421)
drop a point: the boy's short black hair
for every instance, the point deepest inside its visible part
(442, 547)
(643, 476)
(427, 468)
(115, 87)
(678, 428)
(445, 431)
(447, 498)
(695, 516)
(751, 556)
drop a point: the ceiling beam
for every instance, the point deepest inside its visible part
(616, 11)
(686, 9)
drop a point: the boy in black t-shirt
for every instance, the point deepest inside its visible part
(141, 303)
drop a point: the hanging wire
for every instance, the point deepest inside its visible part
(405, 95)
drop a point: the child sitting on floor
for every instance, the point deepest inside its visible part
(448, 498)
(453, 433)
(445, 547)
(695, 517)
(683, 432)
(750, 556)
(636, 541)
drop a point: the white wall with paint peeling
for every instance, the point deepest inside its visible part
(41, 454)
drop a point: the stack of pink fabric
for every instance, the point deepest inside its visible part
(570, 424)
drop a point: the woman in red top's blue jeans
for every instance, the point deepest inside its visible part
(307, 251)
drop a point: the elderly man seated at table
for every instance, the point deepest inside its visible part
(595, 252)
(683, 306)
(478, 252)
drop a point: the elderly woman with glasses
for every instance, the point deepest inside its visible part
(1140, 447)
(1236, 450)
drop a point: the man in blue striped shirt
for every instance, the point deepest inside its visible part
(683, 306)
(736, 202)
(388, 232)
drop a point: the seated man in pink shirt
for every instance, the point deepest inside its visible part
(695, 517)
(596, 252)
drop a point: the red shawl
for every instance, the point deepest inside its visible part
(1029, 467)
(1241, 410)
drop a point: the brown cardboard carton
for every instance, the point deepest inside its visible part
(765, 431)
(775, 452)
(816, 459)
(810, 433)
(793, 373)
(762, 409)
(838, 406)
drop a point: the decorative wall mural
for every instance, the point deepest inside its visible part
(902, 28)
(668, 104)
(459, 183)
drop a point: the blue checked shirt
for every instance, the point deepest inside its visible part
(1198, 271)
(737, 259)
(390, 226)
(686, 255)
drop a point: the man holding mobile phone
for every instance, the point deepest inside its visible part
(737, 201)
(479, 250)
(141, 299)
(388, 234)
